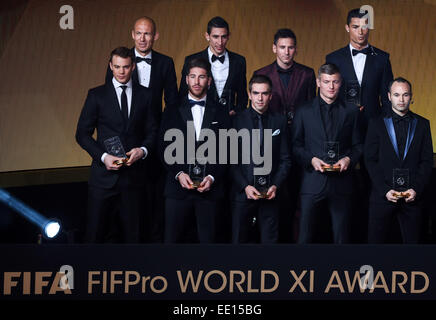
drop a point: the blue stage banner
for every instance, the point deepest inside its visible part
(215, 273)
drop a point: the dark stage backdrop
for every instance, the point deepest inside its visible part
(47, 71)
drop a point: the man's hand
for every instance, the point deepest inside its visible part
(271, 194)
(232, 112)
(318, 163)
(343, 163)
(185, 181)
(205, 184)
(361, 108)
(109, 162)
(134, 155)
(411, 195)
(251, 192)
(392, 196)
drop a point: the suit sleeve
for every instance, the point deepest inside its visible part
(242, 97)
(372, 161)
(357, 139)
(109, 74)
(150, 127)
(425, 165)
(86, 126)
(171, 97)
(311, 92)
(183, 88)
(285, 158)
(386, 78)
(299, 153)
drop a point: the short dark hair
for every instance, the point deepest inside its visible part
(285, 33)
(199, 63)
(217, 22)
(122, 52)
(260, 78)
(355, 13)
(328, 68)
(400, 80)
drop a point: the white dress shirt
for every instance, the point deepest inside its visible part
(197, 115)
(358, 63)
(144, 70)
(119, 91)
(220, 71)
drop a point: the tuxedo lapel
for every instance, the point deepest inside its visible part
(348, 63)
(133, 105)
(231, 71)
(369, 66)
(391, 133)
(277, 83)
(208, 116)
(113, 104)
(185, 111)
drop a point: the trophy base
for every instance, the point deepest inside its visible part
(401, 195)
(263, 195)
(195, 184)
(332, 168)
(121, 162)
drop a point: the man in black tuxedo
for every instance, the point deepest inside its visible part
(120, 108)
(248, 202)
(399, 158)
(188, 206)
(364, 65)
(326, 136)
(229, 83)
(155, 71)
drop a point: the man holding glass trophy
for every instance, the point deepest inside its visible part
(194, 186)
(120, 111)
(254, 202)
(399, 158)
(327, 143)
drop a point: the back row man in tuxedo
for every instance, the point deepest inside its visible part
(120, 108)
(369, 66)
(228, 87)
(399, 157)
(189, 208)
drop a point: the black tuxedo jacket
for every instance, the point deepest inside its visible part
(242, 174)
(162, 80)
(236, 82)
(102, 112)
(214, 118)
(308, 137)
(381, 157)
(377, 74)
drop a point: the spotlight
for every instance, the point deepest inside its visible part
(50, 227)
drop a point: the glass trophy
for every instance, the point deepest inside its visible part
(400, 182)
(226, 99)
(331, 156)
(115, 148)
(197, 172)
(352, 92)
(262, 184)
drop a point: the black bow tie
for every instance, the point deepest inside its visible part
(139, 59)
(221, 59)
(364, 51)
(397, 118)
(192, 103)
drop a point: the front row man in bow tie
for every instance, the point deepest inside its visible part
(190, 207)
(119, 110)
(399, 158)
(255, 206)
(327, 143)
